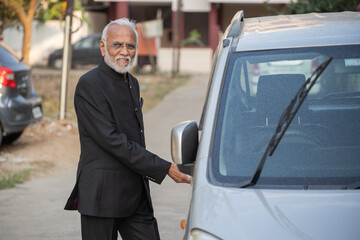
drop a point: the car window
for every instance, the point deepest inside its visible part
(6, 57)
(85, 43)
(322, 145)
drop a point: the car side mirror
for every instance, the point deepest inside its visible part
(184, 145)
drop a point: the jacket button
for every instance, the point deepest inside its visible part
(136, 109)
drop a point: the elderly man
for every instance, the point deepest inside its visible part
(112, 189)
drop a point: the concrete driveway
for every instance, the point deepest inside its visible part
(34, 210)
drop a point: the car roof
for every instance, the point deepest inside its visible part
(299, 30)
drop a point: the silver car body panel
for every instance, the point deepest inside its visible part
(307, 30)
(231, 213)
(276, 214)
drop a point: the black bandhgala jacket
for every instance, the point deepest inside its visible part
(114, 166)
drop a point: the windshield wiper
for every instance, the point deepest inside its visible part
(286, 118)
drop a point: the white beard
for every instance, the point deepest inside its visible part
(124, 68)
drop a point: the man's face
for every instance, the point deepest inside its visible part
(120, 48)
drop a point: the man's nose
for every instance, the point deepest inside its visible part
(124, 50)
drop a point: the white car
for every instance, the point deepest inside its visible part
(278, 154)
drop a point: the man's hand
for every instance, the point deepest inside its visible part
(178, 176)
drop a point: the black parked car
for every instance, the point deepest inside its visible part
(20, 105)
(85, 51)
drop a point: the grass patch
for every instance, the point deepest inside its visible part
(11, 179)
(50, 106)
(154, 92)
(12, 174)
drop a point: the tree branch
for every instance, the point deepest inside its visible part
(32, 8)
(17, 6)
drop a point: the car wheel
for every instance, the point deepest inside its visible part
(10, 138)
(57, 63)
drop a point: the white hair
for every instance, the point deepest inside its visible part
(121, 22)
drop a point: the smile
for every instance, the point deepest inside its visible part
(123, 61)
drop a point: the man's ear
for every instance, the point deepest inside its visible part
(102, 48)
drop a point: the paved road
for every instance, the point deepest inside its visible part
(171, 200)
(33, 211)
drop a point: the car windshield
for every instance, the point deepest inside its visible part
(320, 149)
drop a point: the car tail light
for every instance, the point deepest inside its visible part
(7, 77)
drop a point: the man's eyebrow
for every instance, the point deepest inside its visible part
(117, 42)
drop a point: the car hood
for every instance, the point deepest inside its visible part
(276, 214)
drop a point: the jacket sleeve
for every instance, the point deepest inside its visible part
(96, 122)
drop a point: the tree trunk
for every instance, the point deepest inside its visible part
(26, 41)
(26, 19)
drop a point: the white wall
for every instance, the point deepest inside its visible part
(192, 60)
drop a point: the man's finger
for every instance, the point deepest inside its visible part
(185, 179)
(188, 179)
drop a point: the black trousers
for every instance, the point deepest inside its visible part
(140, 226)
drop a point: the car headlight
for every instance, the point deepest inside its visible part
(197, 234)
